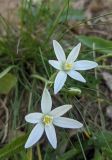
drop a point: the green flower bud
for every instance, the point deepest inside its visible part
(74, 91)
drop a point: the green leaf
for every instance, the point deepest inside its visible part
(101, 45)
(107, 152)
(73, 15)
(14, 147)
(69, 154)
(97, 155)
(103, 139)
(4, 72)
(7, 82)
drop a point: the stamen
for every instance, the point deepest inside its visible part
(47, 119)
(67, 66)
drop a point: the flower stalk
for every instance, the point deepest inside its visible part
(39, 152)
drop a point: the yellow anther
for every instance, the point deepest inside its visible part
(47, 119)
(67, 66)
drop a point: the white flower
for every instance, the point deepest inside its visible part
(67, 66)
(46, 120)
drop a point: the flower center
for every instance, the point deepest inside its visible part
(67, 66)
(47, 119)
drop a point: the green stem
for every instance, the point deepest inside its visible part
(98, 93)
(81, 147)
(103, 57)
(29, 154)
(39, 152)
(109, 67)
(43, 62)
(41, 78)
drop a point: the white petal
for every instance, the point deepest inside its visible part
(35, 135)
(60, 110)
(46, 102)
(59, 52)
(59, 81)
(74, 54)
(84, 65)
(55, 64)
(67, 123)
(76, 75)
(33, 117)
(51, 135)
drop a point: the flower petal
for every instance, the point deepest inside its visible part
(51, 135)
(33, 117)
(55, 64)
(76, 75)
(46, 102)
(60, 110)
(59, 52)
(59, 81)
(84, 65)
(74, 54)
(35, 135)
(67, 123)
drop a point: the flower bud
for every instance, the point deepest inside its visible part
(74, 91)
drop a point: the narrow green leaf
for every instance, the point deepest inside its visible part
(5, 71)
(103, 139)
(14, 147)
(69, 154)
(73, 15)
(101, 45)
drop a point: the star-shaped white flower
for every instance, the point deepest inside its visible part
(46, 120)
(68, 66)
